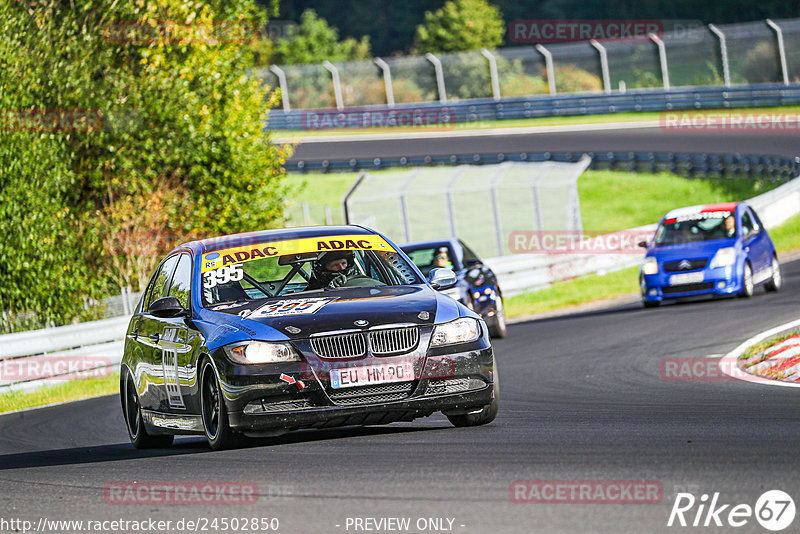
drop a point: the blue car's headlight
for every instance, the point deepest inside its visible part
(724, 257)
(461, 330)
(257, 352)
(650, 265)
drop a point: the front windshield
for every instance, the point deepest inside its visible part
(261, 271)
(695, 227)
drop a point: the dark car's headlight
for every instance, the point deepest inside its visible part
(256, 352)
(461, 330)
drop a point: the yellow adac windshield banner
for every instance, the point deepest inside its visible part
(257, 251)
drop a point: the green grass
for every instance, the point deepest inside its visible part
(610, 200)
(68, 391)
(786, 237)
(522, 123)
(568, 293)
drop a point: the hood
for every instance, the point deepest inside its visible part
(303, 314)
(685, 251)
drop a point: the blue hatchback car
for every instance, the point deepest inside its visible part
(715, 249)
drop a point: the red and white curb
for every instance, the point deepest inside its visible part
(728, 364)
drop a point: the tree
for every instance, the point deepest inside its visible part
(112, 112)
(461, 25)
(316, 41)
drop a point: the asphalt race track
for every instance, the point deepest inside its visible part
(583, 398)
(773, 143)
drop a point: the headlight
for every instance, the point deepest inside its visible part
(724, 257)
(650, 265)
(254, 352)
(461, 330)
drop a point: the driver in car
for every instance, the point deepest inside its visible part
(332, 269)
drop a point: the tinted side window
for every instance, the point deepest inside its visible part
(469, 255)
(161, 281)
(747, 224)
(182, 280)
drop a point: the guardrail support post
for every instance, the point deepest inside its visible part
(451, 212)
(277, 71)
(387, 80)
(781, 50)
(337, 85)
(493, 73)
(603, 65)
(437, 66)
(662, 58)
(723, 50)
(404, 205)
(349, 193)
(548, 65)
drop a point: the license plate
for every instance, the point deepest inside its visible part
(368, 375)
(686, 278)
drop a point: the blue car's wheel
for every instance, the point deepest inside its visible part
(747, 282)
(774, 283)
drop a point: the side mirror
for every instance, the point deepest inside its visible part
(470, 263)
(642, 244)
(166, 307)
(441, 278)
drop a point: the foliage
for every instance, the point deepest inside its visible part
(153, 104)
(316, 41)
(460, 25)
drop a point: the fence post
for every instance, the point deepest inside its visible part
(498, 229)
(548, 65)
(306, 214)
(493, 73)
(723, 50)
(348, 194)
(603, 65)
(404, 204)
(662, 58)
(277, 71)
(451, 212)
(337, 85)
(387, 80)
(328, 216)
(437, 66)
(781, 50)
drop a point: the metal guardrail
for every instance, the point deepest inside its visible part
(777, 168)
(488, 109)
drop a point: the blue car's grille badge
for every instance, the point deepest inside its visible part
(424, 315)
(361, 322)
(292, 329)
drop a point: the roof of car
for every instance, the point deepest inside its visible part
(702, 208)
(452, 241)
(236, 240)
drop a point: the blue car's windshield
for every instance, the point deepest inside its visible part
(695, 227)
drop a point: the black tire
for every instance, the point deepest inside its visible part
(498, 326)
(213, 411)
(747, 282)
(487, 413)
(651, 303)
(775, 282)
(132, 410)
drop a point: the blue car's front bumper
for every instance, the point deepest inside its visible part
(715, 281)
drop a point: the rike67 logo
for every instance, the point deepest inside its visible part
(774, 510)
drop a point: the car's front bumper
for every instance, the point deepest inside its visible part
(719, 281)
(295, 395)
